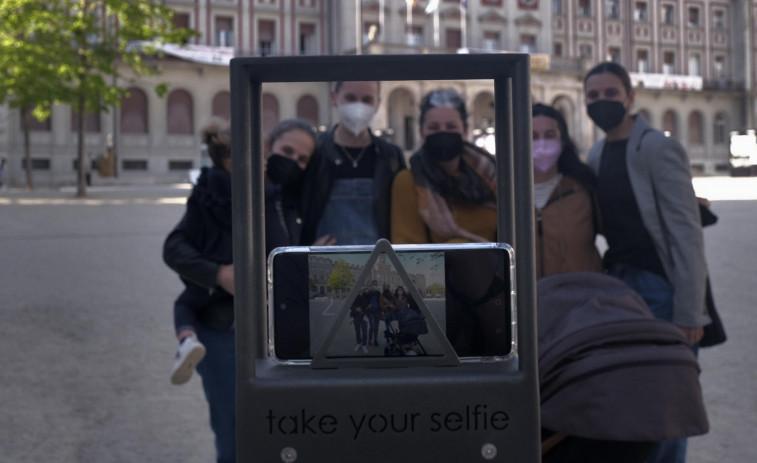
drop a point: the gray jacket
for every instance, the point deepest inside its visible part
(658, 168)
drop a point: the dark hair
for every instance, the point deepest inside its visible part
(568, 164)
(287, 125)
(447, 97)
(217, 138)
(613, 68)
(338, 85)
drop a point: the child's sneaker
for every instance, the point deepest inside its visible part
(190, 352)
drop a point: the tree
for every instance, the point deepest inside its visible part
(73, 52)
(341, 278)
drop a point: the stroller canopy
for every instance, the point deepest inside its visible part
(608, 369)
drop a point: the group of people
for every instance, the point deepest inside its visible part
(347, 186)
(371, 307)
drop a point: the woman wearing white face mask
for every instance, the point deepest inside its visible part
(564, 198)
(347, 190)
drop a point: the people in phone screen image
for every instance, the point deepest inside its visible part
(389, 306)
(449, 194)
(566, 209)
(347, 192)
(374, 313)
(649, 212)
(199, 249)
(358, 313)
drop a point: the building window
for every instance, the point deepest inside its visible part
(640, 12)
(718, 19)
(527, 43)
(179, 113)
(271, 112)
(613, 54)
(557, 49)
(181, 20)
(307, 109)
(266, 35)
(642, 61)
(557, 6)
(584, 8)
(37, 164)
(91, 122)
(134, 164)
(224, 31)
(307, 39)
(586, 51)
(134, 112)
(695, 64)
(669, 124)
(180, 165)
(719, 67)
(221, 105)
(414, 36)
(668, 14)
(613, 9)
(695, 128)
(491, 41)
(453, 38)
(491, 2)
(694, 20)
(34, 124)
(720, 129)
(669, 63)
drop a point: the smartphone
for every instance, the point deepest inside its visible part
(316, 294)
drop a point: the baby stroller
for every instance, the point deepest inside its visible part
(404, 341)
(614, 380)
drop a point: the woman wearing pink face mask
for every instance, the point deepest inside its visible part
(564, 198)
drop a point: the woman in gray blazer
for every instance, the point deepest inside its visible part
(648, 207)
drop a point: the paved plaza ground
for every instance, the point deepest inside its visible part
(86, 336)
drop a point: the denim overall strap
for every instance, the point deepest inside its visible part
(350, 215)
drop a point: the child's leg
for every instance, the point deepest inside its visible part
(184, 317)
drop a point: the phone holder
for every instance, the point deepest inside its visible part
(445, 413)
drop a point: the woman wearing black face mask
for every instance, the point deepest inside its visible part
(650, 213)
(449, 193)
(288, 150)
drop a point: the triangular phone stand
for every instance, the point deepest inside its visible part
(448, 357)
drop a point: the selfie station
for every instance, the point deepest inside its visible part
(448, 401)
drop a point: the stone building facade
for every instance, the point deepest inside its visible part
(691, 59)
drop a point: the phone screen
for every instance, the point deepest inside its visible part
(467, 289)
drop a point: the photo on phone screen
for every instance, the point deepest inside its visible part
(466, 288)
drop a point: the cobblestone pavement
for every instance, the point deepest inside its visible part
(86, 341)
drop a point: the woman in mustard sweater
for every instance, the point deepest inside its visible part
(449, 193)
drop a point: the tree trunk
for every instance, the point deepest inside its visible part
(81, 189)
(26, 113)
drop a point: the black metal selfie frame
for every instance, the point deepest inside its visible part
(485, 411)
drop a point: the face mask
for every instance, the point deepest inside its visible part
(356, 117)
(443, 146)
(546, 154)
(283, 171)
(606, 114)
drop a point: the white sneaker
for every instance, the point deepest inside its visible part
(357, 347)
(190, 352)
(365, 350)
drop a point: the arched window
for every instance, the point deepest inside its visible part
(307, 109)
(696, 135)
(179, 113)
(91, 122)
(222, 105)
(720, 129)
(134, 112)
(670, 123)
(270, 112)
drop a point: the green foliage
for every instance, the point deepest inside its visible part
(56, 51)
(341, 278)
